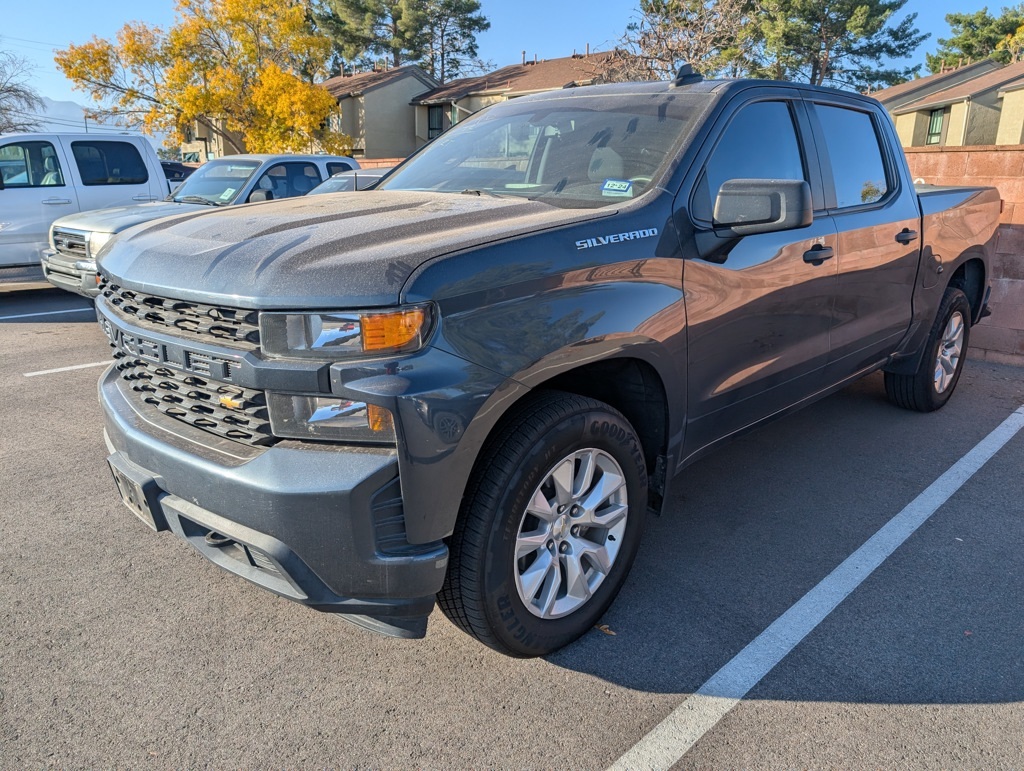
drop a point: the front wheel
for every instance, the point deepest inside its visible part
(945, 352)
(549, 526)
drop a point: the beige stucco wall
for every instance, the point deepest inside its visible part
(390, 119)
(1011, 119)
(955, 128)
(351, 122)
(382, 122)
(983, 119)
(905, 128)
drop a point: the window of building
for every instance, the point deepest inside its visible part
(858, 167)
(435, 120)
(935, 127)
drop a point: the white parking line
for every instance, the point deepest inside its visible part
(668, 741)
(90, 309)
(68, 369)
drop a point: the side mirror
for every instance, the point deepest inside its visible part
(260, 195)
(749, 206)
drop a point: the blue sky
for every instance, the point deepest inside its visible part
(547, 28)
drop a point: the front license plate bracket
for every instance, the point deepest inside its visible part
(139, 493)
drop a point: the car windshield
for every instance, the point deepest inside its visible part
(574, 151)
(347, 181)
(339, 183)
(216, 182)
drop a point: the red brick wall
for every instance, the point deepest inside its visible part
(376, 163)
(1000, 337)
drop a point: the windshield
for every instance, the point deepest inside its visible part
(576, 152)
(216, 182)
(336, 184)
(347, 181)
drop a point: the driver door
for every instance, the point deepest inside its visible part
(758, 307)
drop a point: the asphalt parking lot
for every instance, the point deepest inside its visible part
(120, 647)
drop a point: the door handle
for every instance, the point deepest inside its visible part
(818, 254)
(906, 235)
(143, 197)
(56, 201)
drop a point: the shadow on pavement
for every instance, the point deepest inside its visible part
(749, 530)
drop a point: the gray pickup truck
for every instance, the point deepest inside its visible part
(470, 386)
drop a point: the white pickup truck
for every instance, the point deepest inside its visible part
(47, 176)
(235, 179)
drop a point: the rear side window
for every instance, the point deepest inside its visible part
(858, 167)
(334, 168)
(30, 164)
(109, 163)
(759, 143)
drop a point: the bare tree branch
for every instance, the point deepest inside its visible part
(18, 100)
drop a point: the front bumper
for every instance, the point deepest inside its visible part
(308, 523)
(71, 273)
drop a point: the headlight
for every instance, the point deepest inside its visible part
(97, 242)
(328, 418)
(331, 336)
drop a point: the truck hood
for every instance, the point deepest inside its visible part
(118, 218)
(337, 250)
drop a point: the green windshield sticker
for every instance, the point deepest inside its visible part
(227, 194)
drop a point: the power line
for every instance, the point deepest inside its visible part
(26, 40)
(76, 124)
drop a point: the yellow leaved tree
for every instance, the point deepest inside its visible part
(236, 67)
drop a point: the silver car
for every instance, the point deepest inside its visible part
(70, 262)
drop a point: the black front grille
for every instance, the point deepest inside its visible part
(230, 327)
(71, 244)
(230, 411)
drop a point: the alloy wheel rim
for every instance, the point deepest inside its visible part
(950, 348)
(571, 533)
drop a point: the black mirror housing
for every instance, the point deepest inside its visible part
(749, 206)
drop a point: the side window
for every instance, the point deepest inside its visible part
(857, 165)
(109, 163)
(759, 143)
(334, 168)
(287, 180)
(30, 164)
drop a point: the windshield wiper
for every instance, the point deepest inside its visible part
(474, 191)
(196, 199)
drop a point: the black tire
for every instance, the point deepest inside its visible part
(920, 391)
(481, 594)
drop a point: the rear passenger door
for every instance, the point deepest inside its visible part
(758, 309)
(877, 218)
(110, 172)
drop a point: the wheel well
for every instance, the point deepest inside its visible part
(634, 388)
(970, 277)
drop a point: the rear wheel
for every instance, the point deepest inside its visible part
(549, 526)
(931, 386)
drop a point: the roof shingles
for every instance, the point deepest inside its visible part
(522, 78)
(958, 93)
(344, 86)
